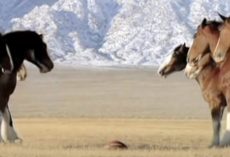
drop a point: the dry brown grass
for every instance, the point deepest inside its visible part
(87, 137)
(75, 112)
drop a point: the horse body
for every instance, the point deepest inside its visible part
(222, 75)
(207, 79)
(23, 45)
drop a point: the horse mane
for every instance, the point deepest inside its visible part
(178, 47)
(182, 48)
(21, 34)
(214, 25)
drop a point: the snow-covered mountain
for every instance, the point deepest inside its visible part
(110, 32)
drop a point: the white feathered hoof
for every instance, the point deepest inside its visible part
(116, 145)
(225, 141)
(11, 137)
(9, 134)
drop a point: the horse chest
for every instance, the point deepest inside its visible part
(210, 91)
(224, 80)
(7, 83)
(213, 98)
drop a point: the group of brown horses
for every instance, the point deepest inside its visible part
(208, 61)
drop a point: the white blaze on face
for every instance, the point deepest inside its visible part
(218, 56)
(193, 70)
(165, 62)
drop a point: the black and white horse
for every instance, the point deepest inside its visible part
(16, 47)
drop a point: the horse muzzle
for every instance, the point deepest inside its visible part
(191, 71)
(219, 57)
(163, 72)
(45, 67)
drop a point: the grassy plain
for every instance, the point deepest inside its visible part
(75, 112)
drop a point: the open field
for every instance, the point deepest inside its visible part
(75, 112)
(105, 92)
(86, 137)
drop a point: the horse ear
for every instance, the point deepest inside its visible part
(181, 47)
(222, 17)
(184, 45)
(204, 23)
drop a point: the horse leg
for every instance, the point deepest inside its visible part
(225, 141)
(7, 129)
(22, 73)
(216, 114)
(1, 140)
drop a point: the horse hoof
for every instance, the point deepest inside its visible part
(13, 141)
(116, 145)
(18, 141)
(225, 141)
(213, 146)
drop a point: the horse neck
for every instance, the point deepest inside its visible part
(212, 45)
(206, 75)
(225, 65)
(18, 55)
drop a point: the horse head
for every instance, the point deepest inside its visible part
(175, 61)
(38, 54)
(204, 43)
(223, 44)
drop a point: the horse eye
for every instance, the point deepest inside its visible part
(176, 53)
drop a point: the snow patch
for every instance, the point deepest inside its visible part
(110, 32)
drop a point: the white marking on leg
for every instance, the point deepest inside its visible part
(8, 132)
(226, 137)
(1, 140)
(22, 73)
(228, 122)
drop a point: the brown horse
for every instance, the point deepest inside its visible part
(174, 62)
(217, 103)
(205, 42)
